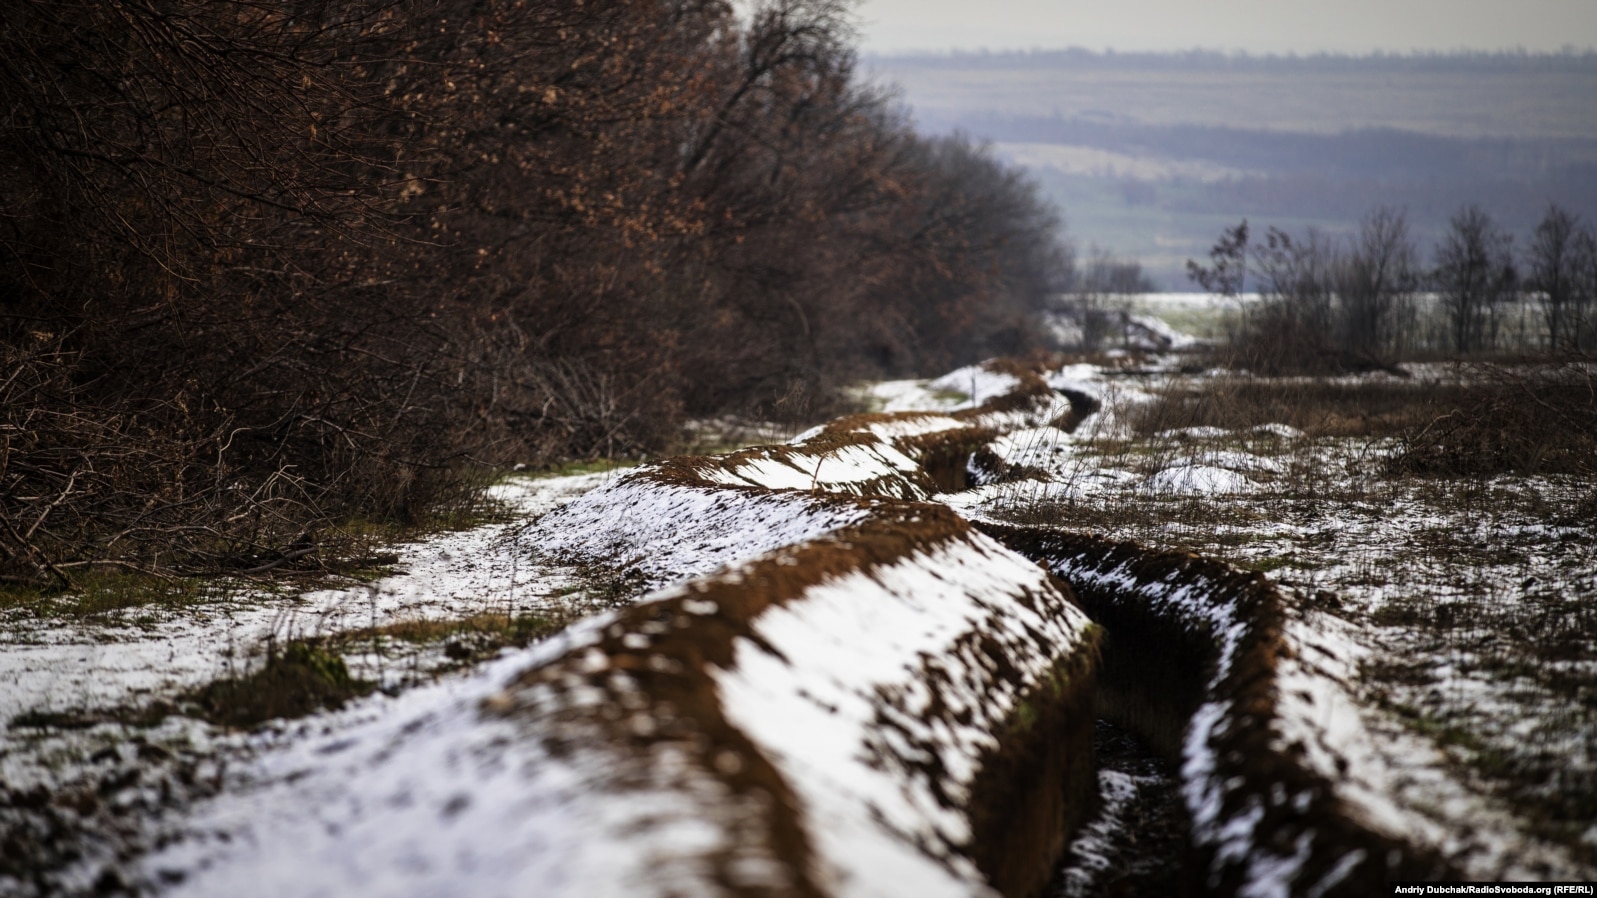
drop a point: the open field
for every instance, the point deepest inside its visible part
(517, 702)
(1467, 587)
(1150, 155)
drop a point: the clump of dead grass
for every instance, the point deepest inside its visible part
(1487, 420)
(302, 677)
(1524, 421)
(465, 640)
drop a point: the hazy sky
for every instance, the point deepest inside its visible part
(1255, 26)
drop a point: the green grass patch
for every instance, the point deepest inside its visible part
(467, 639)
(299, 679)
(1272, 563)
(104, 591)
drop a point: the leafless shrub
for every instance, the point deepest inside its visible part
(1316, 406)
(1325, 306)
(594, 413)
(1533, 420)
(1475, 276)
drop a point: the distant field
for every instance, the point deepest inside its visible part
(1151, 155)
(1464, 97)
(1202, 315)
(1151, 221)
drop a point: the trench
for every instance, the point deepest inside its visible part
(1137, 839)
(1181, 657)
(1191, 664)
(1188, 672)
(1145, 697)
(1135, 842)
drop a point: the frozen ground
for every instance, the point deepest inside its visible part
(1138, 793)
(125, 659)
(1445, 637)
(84, 700)
(845, 686)
(1457, 617)
(103, 767)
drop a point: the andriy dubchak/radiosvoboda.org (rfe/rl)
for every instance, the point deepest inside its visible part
(1497, 888)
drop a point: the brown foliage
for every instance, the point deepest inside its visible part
(266, 266)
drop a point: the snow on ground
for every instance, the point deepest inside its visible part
(1165, 336)
(1405, 676)
(406, 794)
(903, 428)
(1118, 398)
(671, 533)
(962, 388)
(415, 794)
(1032, 447)
(839, 469)
(1090, 851)
(1099, 854)
(411, 795)
(908, 396)
(866, 635)
(128, 782)
(128, 658)
(977, 383)
(1433, 685)
(1398, 783)
(1198, 480)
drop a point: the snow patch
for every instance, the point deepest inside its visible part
(671, 533)
(976, 383)
(810, 693)
(128, 658)
(1197, 480)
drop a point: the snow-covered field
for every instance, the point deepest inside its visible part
(1436, 671)
(124, 659)
(85, 699)
(1450, 624)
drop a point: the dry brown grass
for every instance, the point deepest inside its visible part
(1530, 419)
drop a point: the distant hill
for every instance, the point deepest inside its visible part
(1149, 155)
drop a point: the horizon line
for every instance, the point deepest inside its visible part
(1568, 51)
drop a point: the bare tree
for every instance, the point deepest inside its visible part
(1583, 320)
(1552, 263)
(1298, 275)
(1290, 329)
(1376, 280)
(1227, 271)
(1474, 273)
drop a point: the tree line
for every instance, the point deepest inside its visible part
(265, 267)
(1362, 301)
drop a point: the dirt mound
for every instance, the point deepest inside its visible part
(839, 687)
(1197, 657)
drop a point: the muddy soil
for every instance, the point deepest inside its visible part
(1136, 842)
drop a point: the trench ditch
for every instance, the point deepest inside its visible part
(976, 758)
(1189, 662)
(1190, 672)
